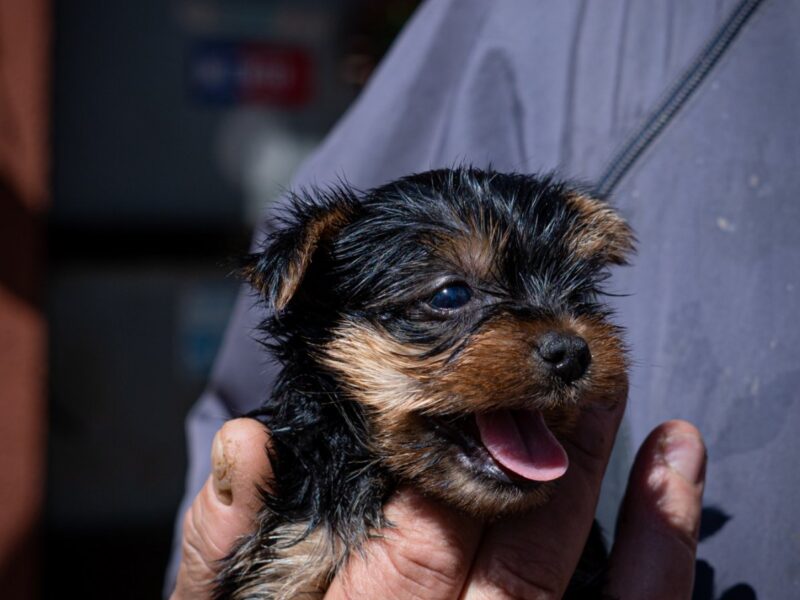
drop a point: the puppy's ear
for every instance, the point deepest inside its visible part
(598, 232)
(278, 271)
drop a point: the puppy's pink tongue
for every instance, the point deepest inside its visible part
(521, 442)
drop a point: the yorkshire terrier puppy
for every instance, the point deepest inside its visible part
(442, 331)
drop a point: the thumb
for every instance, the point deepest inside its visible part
(225, 508)
(654, 551)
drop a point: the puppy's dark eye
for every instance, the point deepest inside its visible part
(451, 296)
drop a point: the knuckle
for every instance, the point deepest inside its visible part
(529, 579)
(197, 570)
(422, 572)
(199, 537)
(680, 526)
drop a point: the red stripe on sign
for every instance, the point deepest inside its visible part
(274, 75)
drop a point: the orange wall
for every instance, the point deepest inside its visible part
(24, 155)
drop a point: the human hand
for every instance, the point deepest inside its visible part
(225, 508)
(434, 552)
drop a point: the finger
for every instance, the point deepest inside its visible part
(654, 551)
(225, 507)
(425, 554)
(534, 555)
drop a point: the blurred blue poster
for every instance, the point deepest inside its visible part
(229, 73)
(202, 313)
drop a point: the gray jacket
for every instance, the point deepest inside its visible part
(685, 112)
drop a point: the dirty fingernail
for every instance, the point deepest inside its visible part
(221, 471)
(686, 455)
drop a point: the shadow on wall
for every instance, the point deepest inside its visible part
(712, 521)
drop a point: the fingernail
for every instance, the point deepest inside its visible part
(686, 455)
(221, 473)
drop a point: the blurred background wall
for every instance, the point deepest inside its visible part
(153, 133)
(24, 197)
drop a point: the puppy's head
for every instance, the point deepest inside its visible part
(460, 309)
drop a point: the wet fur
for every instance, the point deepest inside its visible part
(370, 377)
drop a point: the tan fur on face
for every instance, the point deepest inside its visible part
(600, 232)
(498, 369)
(475, 250)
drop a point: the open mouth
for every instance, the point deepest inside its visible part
(510, 446)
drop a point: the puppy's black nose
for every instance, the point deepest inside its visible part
(567, 356)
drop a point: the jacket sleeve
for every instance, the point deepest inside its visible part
(242, 377)
(431, 64)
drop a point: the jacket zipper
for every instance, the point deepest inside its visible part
(676, 96)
